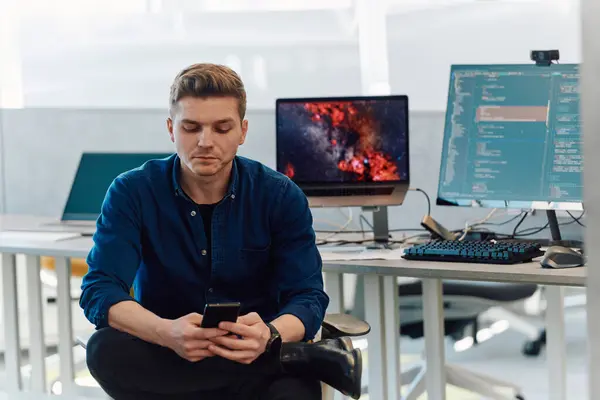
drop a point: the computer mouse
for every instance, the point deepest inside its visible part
(562, 257)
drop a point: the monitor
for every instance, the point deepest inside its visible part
(94, 175)
(345, 151)
(512, 138)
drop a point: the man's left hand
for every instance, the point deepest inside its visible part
(251, 341)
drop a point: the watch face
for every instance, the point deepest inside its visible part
(275, 346)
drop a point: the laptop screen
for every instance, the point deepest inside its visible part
(343, 140)
(94, 175)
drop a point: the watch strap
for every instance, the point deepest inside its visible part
(274, 336)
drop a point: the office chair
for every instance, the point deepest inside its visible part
(464, 302)
(334, 326)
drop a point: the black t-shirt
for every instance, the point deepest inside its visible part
(206, 211)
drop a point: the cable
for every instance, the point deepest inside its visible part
(426, 196)
(514, 234)
(577, 219)
(341, 242)
(533, 230)
(343, 227)
(538, 229)
(508, 221)
(469, 226)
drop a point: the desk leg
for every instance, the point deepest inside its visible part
(37, 346)
(10, 309)
(65, 325)
(334, 287)
(376, 339)
(555, 342)
(391, 308)
(433, 325)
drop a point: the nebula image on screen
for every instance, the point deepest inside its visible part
(343, 141)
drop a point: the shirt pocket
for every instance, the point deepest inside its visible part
(255, 262)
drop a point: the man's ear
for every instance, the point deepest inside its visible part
(170, 129)
(244, 131)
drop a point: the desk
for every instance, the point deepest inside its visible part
(381, 301)
(380, 305)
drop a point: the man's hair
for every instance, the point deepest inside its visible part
(208, 80)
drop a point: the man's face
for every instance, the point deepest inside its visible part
(206, 132)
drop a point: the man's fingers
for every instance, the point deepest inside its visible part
(192, 345)
(240, 329)
(207, 333)
(236, 344)
(233, 355)
(249, 319)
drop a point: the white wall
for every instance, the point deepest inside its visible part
(128, 59)
(2, 175)
(423, 45)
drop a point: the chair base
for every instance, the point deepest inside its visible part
(462, 378)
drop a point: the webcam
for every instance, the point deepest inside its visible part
(544, 57)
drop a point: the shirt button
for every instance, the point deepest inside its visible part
(193, 213)
(203, 252)
(232, 196)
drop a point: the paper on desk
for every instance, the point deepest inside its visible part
(36, 236)
(331, 255)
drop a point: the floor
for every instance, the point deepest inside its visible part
(499, 357)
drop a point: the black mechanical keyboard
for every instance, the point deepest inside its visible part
(503, 252)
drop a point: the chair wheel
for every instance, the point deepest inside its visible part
(532, 348)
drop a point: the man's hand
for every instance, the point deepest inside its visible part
(251, 341)
(188, 339)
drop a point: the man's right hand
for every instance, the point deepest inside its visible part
(185, 336)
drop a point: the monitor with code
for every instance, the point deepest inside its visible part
(512, 138)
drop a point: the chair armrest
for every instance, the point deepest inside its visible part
(338, 325)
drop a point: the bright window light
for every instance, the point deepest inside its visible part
(275, 5)
(69, 8)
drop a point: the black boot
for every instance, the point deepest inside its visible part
(343, 343)
(326, 362)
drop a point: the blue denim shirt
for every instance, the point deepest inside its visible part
(151, 235)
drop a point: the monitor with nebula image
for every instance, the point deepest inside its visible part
(345, 151)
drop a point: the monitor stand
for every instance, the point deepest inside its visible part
(381, 231)
(553, 224)
(556, 236)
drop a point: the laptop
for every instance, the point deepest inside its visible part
(95, 173)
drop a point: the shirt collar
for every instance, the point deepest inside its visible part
(233, 179)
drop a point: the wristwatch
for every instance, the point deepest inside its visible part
(274, 343)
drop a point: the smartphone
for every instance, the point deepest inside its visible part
(215, 313)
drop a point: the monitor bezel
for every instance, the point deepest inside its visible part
(348, 184)
(487, 203)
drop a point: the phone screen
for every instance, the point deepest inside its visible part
(216, 313)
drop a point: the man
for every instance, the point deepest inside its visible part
(207, 226)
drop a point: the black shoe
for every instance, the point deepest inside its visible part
(326, 362)
(342, 343)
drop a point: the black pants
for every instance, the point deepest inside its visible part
(129, 368)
